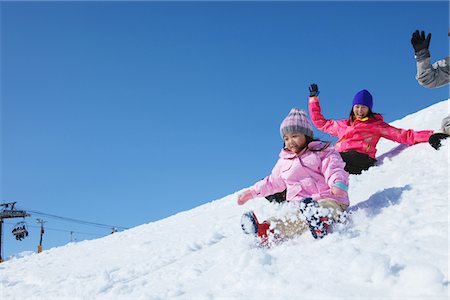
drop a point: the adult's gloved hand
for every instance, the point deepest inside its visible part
(313, 90)
(419, 41)
(436, 138)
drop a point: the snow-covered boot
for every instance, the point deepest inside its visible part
(250, 225)
(319, 225)
(436, 138)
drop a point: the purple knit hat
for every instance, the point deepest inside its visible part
(363, 97)
(296, 121)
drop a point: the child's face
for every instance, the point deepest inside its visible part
(294, 141)
(360, 111)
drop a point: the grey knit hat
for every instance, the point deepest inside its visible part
(296, 121)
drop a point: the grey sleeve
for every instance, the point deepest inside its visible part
(445, 125)
(432, 76)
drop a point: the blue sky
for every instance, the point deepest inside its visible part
(124, 113)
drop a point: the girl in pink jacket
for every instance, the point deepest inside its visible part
(312, 173)
(359, 134)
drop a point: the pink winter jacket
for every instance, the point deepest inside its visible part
(311, 173)
(363, 136)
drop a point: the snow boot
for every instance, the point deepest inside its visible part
(436, 138)
(250, 225)
(318, 225)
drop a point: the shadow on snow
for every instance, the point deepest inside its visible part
(390, 154)
(380, 200)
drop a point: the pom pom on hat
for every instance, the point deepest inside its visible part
(363, 97)
(296, 121)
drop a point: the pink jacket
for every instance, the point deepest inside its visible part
(363, 136)
(311, 173)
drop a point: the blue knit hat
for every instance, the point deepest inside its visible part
(363, 97)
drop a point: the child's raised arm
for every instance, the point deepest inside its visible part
(315, 112)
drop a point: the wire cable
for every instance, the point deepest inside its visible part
(61, 230)
(73, 220)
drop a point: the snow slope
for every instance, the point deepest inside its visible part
(396, 247)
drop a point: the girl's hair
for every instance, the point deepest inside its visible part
(308, 140)
(370, 114)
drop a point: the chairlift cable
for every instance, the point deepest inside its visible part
(74, 220)
(63, 230)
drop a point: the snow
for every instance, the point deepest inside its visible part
(396, 246)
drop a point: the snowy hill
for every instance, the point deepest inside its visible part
(397, 246)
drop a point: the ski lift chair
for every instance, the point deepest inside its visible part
(20, 231)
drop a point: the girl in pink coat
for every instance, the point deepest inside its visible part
(312, 173)
(359, 134)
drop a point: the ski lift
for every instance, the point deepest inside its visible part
(20, 231)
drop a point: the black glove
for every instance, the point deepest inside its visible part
(419, 41)
(313, 90)
(436, 138)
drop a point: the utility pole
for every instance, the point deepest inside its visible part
(8, 212)
(1, 239)
(42, 233)
(72, 237)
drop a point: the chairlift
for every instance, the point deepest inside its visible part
(20, 230)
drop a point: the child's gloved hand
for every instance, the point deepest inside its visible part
(244, 197)
(339, 189)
